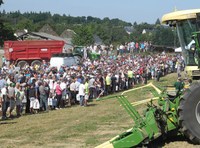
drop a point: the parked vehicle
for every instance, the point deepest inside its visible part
(65, 59)
(32, 52)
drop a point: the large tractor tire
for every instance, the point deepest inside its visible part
(189, 113)
(21, 64)
(36, 62)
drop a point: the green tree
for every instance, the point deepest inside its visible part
(6, 33)
(163, 36)
(25, 24)
(83, 36)
(1, 2)
(157, 22)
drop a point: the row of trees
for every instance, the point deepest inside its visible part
(109, 30)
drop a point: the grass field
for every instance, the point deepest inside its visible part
(75, 127)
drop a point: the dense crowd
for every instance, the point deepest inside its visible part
(33, 89)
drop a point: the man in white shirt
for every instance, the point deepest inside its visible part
(11, 97)
(81, 93)
(5, 101)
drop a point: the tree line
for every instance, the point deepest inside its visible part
(109, 30)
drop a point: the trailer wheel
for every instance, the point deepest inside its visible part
(189, 113)
(36, 62)
(22, 64)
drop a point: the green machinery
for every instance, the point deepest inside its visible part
(179, 112)
(157, 120)
(187, 25)
(80, 50)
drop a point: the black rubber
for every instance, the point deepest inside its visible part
(187, 113)
(22, 63)
(38, 62)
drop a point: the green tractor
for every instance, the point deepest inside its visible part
(80, 50)
(177, 112)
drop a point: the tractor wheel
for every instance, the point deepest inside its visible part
(36, 62)
(189, 113)
(22, 64)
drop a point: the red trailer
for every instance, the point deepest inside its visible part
(32, 51)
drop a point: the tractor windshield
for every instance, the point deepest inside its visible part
(185, 29)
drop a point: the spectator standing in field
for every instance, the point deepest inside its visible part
(2, 82)
(77, 84)
(11, 97)
(86, 92)
(108, 84)
(121, 49)
(179, 85)
(58, 95)
(19, 95)
(5, 101)
(72, 91)
(130, 78)
(132, 48)
(81, 93)
(137, 47)
(32, 96)
(92, 88)
(47, 90)
(43, 97)
(63, 87)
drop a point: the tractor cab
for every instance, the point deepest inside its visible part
(187, 25)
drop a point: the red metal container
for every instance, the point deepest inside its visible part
(32, 50)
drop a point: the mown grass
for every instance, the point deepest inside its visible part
(75, 127)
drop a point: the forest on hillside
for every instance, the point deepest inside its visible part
(108, 30)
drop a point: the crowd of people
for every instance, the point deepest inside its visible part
(35, 89)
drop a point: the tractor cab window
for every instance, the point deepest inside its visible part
(185, 29)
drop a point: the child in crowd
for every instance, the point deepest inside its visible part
(52, 101)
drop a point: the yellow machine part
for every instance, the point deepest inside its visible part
(180, 15)
(192, 71)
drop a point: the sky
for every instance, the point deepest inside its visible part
(127, 10)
